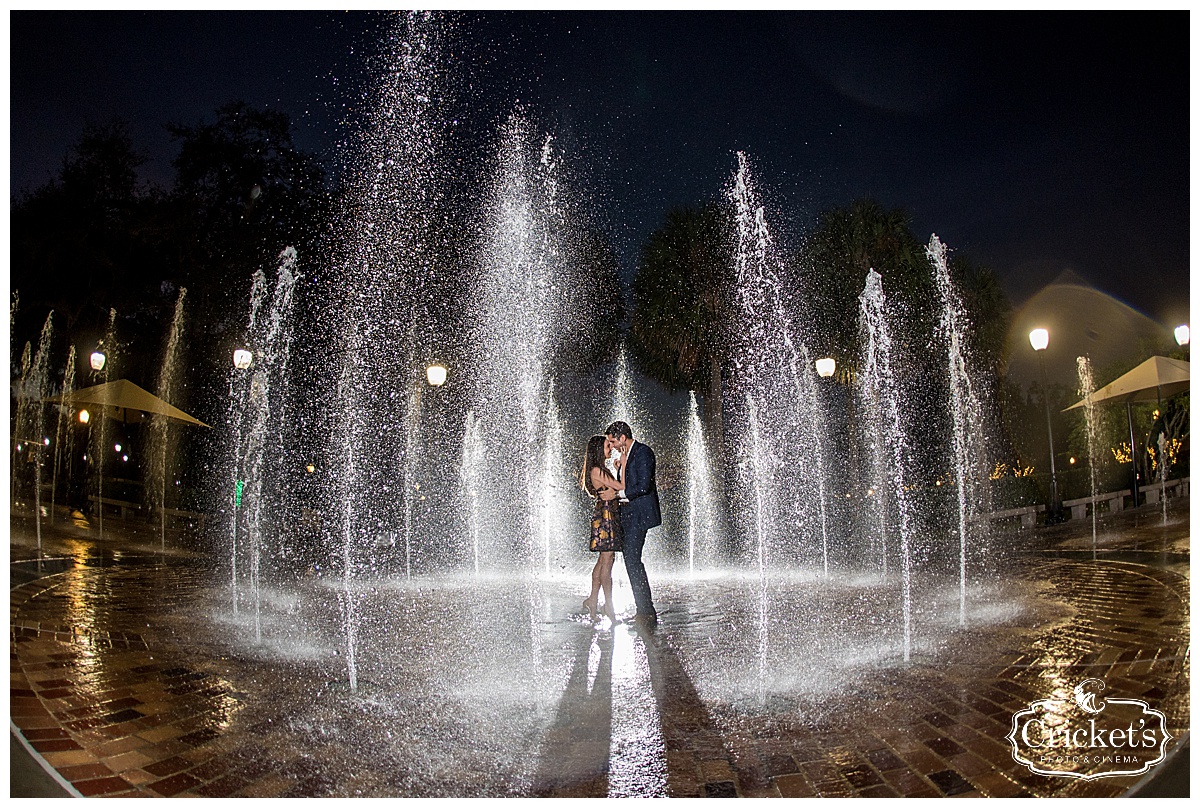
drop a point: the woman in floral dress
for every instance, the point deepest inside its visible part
(606, 522)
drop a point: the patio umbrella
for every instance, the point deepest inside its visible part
(1155, 379)
(126, 402)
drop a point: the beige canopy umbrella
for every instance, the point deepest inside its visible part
(126, 402)
(1155, 379)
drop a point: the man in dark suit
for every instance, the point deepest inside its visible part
(639, 513)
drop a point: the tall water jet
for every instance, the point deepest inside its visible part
(13, 304)
(776, 371)
(269, 340)
(885, 433)
(969, 450)
(30, 427)
(516, 316)
(159, 445)
(412, 439)
(1163, 462)
(1087, 386)
(763, 470)
(64, 436)
(555, 478)
(701, 516)
(625, 406)
(236, 421)
(384, 266)
(472, 477)
(26, 362)
(24, 365)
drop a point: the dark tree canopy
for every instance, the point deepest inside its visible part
(850, 241)
(244, 191)
(834, 262)
(681, 299)
(592, 337)
(81, 242)
(94, 238)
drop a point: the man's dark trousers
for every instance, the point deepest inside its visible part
(638, 516)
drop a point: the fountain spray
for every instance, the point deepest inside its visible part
(965, 409)
(776, 370)
(885, 432)
(64, 436)
(159, 444)
(1087, 386)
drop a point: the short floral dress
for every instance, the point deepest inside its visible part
(606, 522)
(606, 527)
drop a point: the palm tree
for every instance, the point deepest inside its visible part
(834, 261)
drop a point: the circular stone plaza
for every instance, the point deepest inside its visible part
(132, 677)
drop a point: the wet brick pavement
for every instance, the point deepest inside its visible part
(121, 706)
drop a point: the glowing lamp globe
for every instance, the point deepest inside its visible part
(98, 360)
(242, 358)
(826, 367)
(1039, 338)
(436, 375)
(1183, 334)
(84, 416)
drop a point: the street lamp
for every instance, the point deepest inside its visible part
(435, 375)
(98, 360)
(1039, 338)
(84, 416)
(242, 358)
(826, 367)
(1183, 334)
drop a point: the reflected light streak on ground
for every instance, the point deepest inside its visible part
(637, 752)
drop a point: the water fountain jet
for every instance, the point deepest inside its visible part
(885, 432)
(159, 444)
(969, 451)
(1087, 386)
(776, 371)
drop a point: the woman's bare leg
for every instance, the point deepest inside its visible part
(597, 572)
(606, 583)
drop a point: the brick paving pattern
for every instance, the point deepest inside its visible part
(119, 707)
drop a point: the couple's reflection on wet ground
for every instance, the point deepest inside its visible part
(574, 754)
(627, 706)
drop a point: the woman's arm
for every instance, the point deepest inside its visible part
(602, 480)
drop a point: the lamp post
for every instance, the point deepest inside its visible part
(435, 376)
(242, 359)
(1039, 338)
(97, 361)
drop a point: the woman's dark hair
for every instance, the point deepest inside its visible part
(593, 456)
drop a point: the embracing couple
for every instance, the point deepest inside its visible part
(618, 473)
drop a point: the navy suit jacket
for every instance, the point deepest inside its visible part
(641, 512)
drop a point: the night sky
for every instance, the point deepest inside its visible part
(1033, 142)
